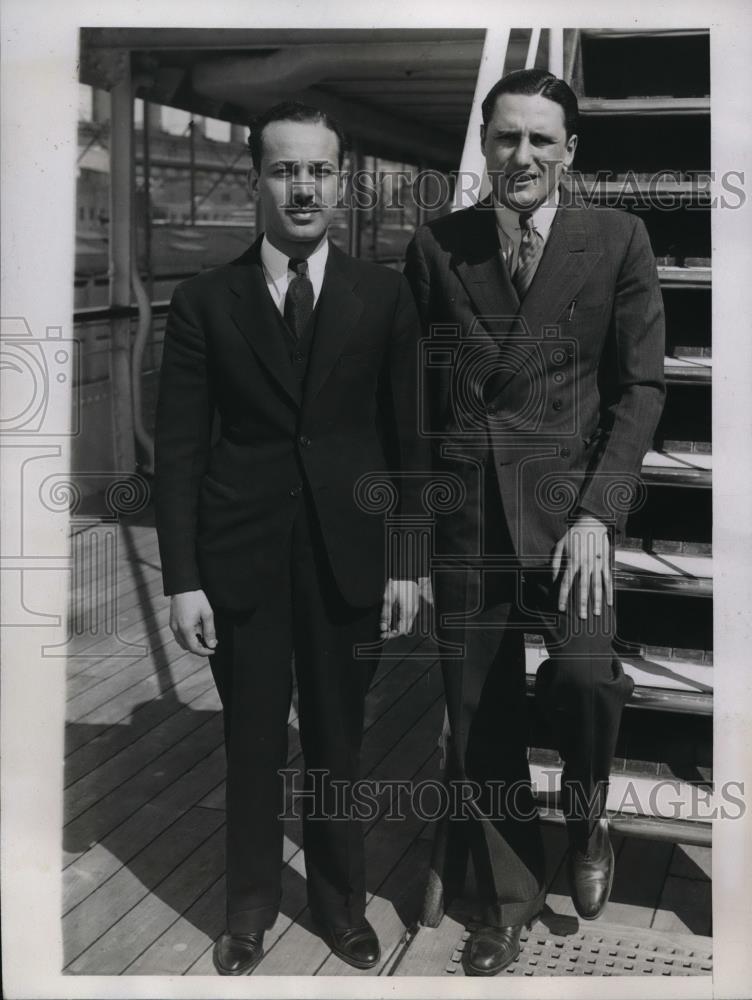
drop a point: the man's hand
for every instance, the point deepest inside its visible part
(585, 550)
(401, 600)
(192, 622)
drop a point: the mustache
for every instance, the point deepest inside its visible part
(301, 201)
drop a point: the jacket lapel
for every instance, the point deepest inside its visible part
(258, 319)
(482, 271)
(337, 312)
(571, 252)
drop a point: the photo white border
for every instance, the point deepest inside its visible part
(38, 67)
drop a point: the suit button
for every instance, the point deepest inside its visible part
(565, 452)
(556, 404)
(304, 441)
(558, 378)
(299, 357)
(296, 491)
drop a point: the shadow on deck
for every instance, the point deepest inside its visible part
(144, 824)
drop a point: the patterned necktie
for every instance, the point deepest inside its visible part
(299, 298)
(531, 248)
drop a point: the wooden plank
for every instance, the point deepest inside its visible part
(119, 946)
(112, 673)
(684, 906)
(89, 868)
(192, 934)
(140, 754)
(146, 678)
(115, 738)
(384, 701)
(135, 609)
(134, 625)
(101, 668)
(104, 579)
(84, 925)
(103, 817)
(121, 710)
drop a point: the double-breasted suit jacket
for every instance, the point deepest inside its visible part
(568, 385)
(226, 502)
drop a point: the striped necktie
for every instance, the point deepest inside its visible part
(299, 298)
(531, 248)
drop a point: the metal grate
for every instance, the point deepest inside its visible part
(598, 952)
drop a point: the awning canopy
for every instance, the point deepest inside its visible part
(403, 94)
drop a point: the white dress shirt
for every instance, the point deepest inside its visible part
(278, 275)
(510, 234)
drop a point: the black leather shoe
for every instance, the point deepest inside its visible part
(358, 946)
(238, 954)
(490, 949)
(591, 874)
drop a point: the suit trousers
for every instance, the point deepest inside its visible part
(302, 615)
(580, 690)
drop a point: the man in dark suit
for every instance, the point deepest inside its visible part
(544, 385)
(308, 359)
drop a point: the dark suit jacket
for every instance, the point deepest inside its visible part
(569, 386)
(224, 508)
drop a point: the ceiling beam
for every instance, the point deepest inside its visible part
(306, 65)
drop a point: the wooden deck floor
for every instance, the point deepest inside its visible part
(144, 819)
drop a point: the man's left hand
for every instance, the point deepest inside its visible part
(585, 552)
(401, 600)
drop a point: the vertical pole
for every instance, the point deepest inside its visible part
(147, 198)
(472, 182)
(532, 49)
(355, 213)
(192, 172)
(121, 201)
(556, 51)
(374, 210)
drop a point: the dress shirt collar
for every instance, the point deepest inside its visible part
(275, 263)
(508, 220)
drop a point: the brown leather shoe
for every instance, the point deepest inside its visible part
(238, 954)
(358, 946)
(490, 949)
(591, 873)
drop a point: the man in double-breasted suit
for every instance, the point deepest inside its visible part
(307, 359)
(543, 388)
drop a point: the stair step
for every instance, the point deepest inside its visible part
(659, 105)
(662, 683)
(693, 277)
(660, 574)
(638, 806)
(678, 468)
(689, 370)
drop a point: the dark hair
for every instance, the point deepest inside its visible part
(292, 111)
(535, 81)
